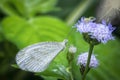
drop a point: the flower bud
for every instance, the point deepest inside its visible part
(72, 49)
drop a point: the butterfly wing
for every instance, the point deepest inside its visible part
(37, 57)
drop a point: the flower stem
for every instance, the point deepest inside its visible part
(70, 57)
(88, 61)
(71, 75)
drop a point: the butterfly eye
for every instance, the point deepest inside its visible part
(37, 57)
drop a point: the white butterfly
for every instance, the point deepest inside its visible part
(37, 57)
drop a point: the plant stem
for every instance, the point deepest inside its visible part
(88, 62)
(70, 57)
(71, 75)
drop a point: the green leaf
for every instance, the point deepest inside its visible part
(29, 8)
(59, 71)
(7, 7)
(15, 65)
(1, 38)
(1, 35)
(49, 78)
(25, 32)
(108, 56)
(45, 28)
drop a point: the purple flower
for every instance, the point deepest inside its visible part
(100, 31)
(82, 60)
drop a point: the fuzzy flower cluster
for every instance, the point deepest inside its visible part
(100, 31)
(82, 60)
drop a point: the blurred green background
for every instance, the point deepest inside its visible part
(24, 22)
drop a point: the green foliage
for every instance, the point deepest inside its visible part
(107, 55)
(15, 65)
(56, 70)
(25, 32)
(49, 78)
(27, 8)
(28, 23)
(43, 28)
(1, 36)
